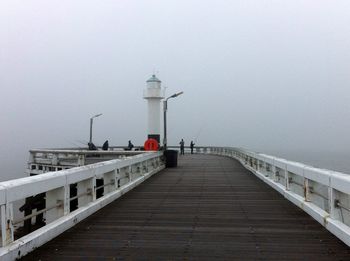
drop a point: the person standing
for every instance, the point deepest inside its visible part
(130, 145)
(105, 145)
(182, 147)
(192, 146)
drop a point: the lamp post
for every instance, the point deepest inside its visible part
(91, 122)
(165, 108)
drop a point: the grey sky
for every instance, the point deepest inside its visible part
(264, 75)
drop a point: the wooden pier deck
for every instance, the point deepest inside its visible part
(208, 208)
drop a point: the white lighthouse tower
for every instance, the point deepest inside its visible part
(154, 94)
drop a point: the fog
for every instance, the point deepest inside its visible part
(270, 76)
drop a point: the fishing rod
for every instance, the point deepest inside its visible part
(199, 133)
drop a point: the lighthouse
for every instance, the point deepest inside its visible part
(154, 94)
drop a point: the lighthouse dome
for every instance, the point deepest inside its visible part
(153, 79)
(154, 90)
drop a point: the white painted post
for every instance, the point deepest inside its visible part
(66, 200)
(81, 160)
(306, 190)
(54, 160)
(109, 177)
(54, 197)
(138, 170)
(122, 176)
(286, 178)
(94, 189)
(3, 225)
(83, 187)
(331, 201)
(146, 167)
(143, 168)
(274, 176)
(129, 173)
(266, 171)
(9, 237)
(116, 178)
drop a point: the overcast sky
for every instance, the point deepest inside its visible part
(264, 75)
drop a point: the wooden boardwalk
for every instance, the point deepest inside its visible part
(208, 208)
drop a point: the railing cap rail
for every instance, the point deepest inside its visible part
(88, 152)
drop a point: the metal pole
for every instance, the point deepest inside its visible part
(91, 130)
(165, 105)
(91, 121)
(165, 108)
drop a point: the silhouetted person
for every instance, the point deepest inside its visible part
(92, 146)
(192, 146)
(105, 145)
(182, 147)
(130, 145)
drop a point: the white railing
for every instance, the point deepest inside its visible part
(44, 160)
(323, 194)
(118, 175)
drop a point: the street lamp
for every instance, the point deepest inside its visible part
(165, 108)
(91, 121)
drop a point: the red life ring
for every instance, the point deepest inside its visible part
(151, 144)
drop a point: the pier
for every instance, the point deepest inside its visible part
(214, 205)
(141, 130)
(208, 208)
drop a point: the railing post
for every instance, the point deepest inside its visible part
(94, 189)
(66, 203)
(306, 189)
(267, 168)
(3, 225)
(81, 160)
(286, 178)
(145, 167)
(8, 234)
(116, 178)
(274, 173)
(56, 203)
(54, 160)
(130, 173)
(154, 163)
(109, 178)
(331, 201)
(85, 188)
